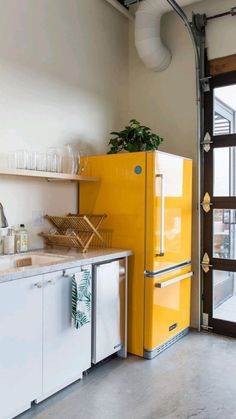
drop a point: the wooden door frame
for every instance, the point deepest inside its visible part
(218, 326)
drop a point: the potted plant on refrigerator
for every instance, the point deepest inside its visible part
(135, 137)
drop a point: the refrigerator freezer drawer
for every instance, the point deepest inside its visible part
(167, 307)
(109, 309)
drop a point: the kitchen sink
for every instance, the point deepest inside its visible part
(14, 262)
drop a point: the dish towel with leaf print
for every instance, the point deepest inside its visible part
(81, 298)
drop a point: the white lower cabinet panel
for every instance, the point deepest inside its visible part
(20, 345)
(109, 310)
(66, 350)
(40, 351)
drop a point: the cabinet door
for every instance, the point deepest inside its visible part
(20, 344)
(109, 309)
(67, 350)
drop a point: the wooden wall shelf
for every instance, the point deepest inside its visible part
(47, 175)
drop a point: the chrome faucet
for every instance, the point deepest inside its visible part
(3, 220)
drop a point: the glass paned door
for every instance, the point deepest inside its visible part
(224, 116)
(224, 171)
(224, 295)
(219, 279)
(224, 234)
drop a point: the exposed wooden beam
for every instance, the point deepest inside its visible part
(222, 65)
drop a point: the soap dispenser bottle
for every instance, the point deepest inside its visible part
(22, 239)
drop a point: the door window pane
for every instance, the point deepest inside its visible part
(224, 237)
(225, 110)
(224, 176)
(224, 295)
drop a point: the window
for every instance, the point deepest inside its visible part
(225, 110)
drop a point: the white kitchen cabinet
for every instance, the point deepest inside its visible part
(20, 344)
(40, 351)
(109, 310)
(66, 350)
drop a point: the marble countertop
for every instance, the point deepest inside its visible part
(66, 259)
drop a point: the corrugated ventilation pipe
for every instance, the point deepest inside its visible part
(149, 45)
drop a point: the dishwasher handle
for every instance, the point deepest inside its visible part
(173, 280)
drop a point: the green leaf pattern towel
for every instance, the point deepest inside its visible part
(81, 298)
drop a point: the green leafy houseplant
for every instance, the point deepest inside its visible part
(135, 137)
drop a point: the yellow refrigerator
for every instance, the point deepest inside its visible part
(148, 199)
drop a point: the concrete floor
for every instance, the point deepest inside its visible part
(195, 378)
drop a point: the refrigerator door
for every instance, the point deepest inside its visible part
(121, 195)
(168, 211)
(167, 309)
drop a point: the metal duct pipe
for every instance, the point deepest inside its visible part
(200, 133)
(148, 42)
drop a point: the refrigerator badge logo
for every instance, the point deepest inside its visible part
(173, 326)
(138, 170)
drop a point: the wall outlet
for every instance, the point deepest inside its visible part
(38, 218)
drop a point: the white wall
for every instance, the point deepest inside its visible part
(63, 78)
(166, 101)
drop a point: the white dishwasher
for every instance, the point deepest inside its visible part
(109, 324)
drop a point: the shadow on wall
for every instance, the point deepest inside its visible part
(64, 72)
(72, 41)
(63, 79)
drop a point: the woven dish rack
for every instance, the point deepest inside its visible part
(78, 231)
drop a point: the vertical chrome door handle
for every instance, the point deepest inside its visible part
(162, 217)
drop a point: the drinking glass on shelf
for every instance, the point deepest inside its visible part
(59, 161)
(31, 160)
(21, 159)
(53, 160)
(12, 159)
(48, 161)
(41, 161)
